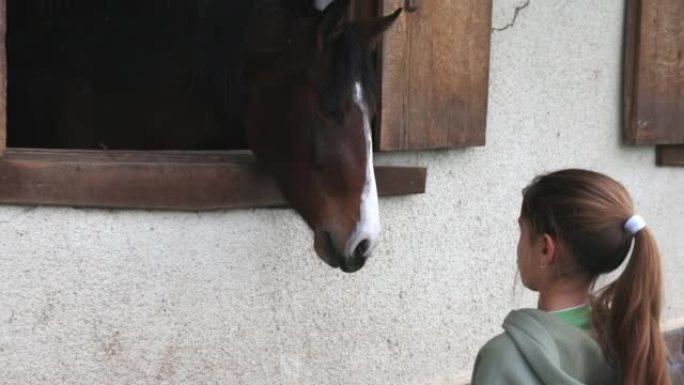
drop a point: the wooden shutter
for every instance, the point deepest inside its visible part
(3, 80)
(654, 72)
(435, 68)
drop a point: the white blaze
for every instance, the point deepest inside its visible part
(322, 4)
(368, 227)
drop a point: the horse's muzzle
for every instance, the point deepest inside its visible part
(352, 265)
(334, 257)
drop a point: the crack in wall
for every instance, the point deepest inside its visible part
(518, 9)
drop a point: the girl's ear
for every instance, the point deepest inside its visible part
(549, 249)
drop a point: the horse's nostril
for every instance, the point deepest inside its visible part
(362, 248)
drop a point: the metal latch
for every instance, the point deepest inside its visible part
(412, 5)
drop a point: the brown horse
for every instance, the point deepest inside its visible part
(290, 74)
(310, 103)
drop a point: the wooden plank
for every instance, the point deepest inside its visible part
(393, 181)
(435, 73)
(670, 155)
(632, 27)
(3, 79)
(157, 180)
(654, 72)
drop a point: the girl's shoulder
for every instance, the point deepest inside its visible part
(499, 347)
(500, 362)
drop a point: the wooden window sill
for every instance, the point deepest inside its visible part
(670, 155)
(166, 180)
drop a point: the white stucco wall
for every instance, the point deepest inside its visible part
(118, 297)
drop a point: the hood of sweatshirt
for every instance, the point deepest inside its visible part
(557, 352)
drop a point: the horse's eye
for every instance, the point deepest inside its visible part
(331, 110)
(318, 153)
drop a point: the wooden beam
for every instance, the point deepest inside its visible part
(157, 180)
(670, 155)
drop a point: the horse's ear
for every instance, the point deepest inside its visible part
(372, 30)
(331, 21)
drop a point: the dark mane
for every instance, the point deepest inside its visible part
(275, 53)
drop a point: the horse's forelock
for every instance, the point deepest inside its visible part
(351, 64)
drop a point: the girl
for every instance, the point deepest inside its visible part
(574, 226)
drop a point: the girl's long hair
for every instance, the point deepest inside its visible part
(586, 212)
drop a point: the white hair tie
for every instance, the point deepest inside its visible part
(635, 224)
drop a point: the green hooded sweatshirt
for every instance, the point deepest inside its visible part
(538, 348)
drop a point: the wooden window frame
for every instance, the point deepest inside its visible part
(166, 180)
(444, 106)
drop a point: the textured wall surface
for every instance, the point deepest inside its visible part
(119, 297)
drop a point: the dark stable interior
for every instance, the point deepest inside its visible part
(125, 74)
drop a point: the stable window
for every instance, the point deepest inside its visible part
(433, 96)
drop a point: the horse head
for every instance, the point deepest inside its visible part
(311, 99)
